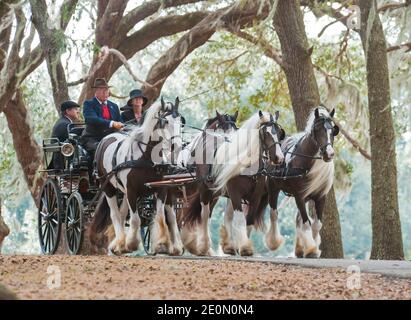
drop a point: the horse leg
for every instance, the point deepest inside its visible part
(189, 239)
(226, 237)
(306, 234)
(273, 237)
(317, 224)
(239, 227)
(299, 247)
(117, 246)
(177, 245)
(160, 233)
(133, 236)
(204, 241)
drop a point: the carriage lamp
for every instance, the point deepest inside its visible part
(67, 149)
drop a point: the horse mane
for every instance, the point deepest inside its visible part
(311, 118)
(143, 132)
(242, 151)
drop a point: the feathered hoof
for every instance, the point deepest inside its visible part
(311, 253)
(246, 251)
(132, 245)
(274, 245)
(299, 252)
(176, 251)
(229, 250)
(117, 247)
(161, 248)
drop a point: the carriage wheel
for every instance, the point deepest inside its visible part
(74, 223)
(49, 217)
(146, 237)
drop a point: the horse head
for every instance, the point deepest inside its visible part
(168, 128)
(226, 122)
(271, 135)
(323, 132)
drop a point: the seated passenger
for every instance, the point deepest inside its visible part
(133, 110)
(70, 113)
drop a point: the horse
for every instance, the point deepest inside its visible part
(201, 153)
(248, 188)
(137, 158)
(219, 122)
(239, 154)
(307, 174)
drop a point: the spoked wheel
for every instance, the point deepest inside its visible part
(74, 223)
(146, 237)
(49, 217)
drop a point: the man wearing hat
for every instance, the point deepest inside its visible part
(133, 111)
(70, 113)
(102, 116)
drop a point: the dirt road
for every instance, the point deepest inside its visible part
(104, 277)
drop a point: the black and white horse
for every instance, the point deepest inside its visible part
(308, 174)
(246, 192)
(157, 141)
(239, 154)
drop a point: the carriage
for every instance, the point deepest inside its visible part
(70, 194)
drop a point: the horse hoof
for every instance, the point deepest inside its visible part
(312, 255)
(132, 246)
(229, 250)
(176, 252)
(299, 254)
(246, 252)
(161, 249)
(275, 244)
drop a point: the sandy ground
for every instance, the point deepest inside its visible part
(104, 277)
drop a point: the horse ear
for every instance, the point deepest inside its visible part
(271, 118)
(282, 134)
(317, 113)
(163, 105)
(260, 113)
(277, 115)
(177, 103)
(235, 116)
(217, 114)
(336, 130)
(332, 113)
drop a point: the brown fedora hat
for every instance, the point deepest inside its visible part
(100, 83)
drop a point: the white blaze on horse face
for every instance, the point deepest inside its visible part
(170, 136)
(329, 150)
(278, 152)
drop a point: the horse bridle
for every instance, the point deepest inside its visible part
(228, 120)
(274, 131)
(326, 122)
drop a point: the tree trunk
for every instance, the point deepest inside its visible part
(386, 225)
(27, 150)
(298, 68)
(52, 42)
(4, 229)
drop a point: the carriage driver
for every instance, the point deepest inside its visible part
(102, 117)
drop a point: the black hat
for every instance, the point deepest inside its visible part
(135, 94)
(68, 105)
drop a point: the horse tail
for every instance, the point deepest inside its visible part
(101, 219)
(255, 216)
(192, 214)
